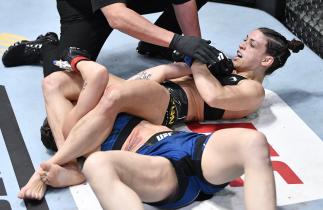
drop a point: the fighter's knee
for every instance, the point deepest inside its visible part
(100, 74)
(91, 163)
(257, 146)
(111, 99)
(51, 83)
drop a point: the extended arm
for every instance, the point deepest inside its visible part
(246, 95)
(163, 72)
(187, 18)
(128, 21)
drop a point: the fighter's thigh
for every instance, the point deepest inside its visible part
(114, 80)
(68, 84)
(143, 98)
(152, 178)
(226, 151)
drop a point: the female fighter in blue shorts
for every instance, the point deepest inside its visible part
(142, 162)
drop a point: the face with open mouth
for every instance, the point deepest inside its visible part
(251, 52)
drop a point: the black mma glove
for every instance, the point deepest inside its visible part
(73, 55)
(222, 66)
(179, 57)
(194, 47)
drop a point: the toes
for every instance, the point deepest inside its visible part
(20, 195)
(42, 173)
(22, 192)
(37, 196)
(27, 195)
(45, 166)
(44, 179)
(34, 190)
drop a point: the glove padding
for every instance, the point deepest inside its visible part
(195, 47)
(222, 67)
(73, 55)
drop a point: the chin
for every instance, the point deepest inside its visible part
(240, 69)
(237, 63)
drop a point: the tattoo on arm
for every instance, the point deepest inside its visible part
(143, 76)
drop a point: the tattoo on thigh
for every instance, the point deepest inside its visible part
(143, 75)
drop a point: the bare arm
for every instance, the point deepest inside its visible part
(247, 95)
(128, 21)
(187, 18)
(163, 72)
(95, 78)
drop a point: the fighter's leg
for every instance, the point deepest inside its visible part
(34, 189)
(85, 33)
(143, 98)
(60, 89)
(230, 153)
(58, 176)
(52, 175)
(81, 28)
(146, 99)
(96, 77)
(130, 178)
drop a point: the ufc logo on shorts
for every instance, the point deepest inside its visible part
(163, 135)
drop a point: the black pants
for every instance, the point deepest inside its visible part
(82, 28)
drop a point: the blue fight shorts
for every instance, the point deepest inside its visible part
(122, 127)
(184, 150)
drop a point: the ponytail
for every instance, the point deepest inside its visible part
(279, 47)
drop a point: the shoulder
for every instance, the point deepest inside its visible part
(252, 86)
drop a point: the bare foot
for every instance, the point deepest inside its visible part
(58, 176)
(34, 189)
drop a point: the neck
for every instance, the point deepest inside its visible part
(253, 75)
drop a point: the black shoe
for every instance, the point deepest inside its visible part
(152, 50)
(47, 137)
(27, 52)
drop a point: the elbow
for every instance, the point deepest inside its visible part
(114, 18)
(115, 23)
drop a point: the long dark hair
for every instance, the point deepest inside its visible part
(279, 47)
